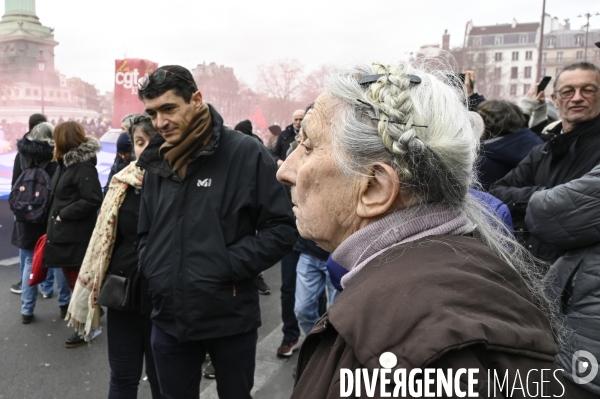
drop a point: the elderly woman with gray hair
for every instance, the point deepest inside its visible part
(381, 179)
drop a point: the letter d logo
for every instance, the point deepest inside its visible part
(583, 362)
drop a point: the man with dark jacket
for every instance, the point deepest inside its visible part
(212, 218)
(567, 216)
(287, 137)
(569, 155)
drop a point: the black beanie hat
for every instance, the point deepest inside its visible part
(244, 127)
(275, 130)
(123, 143)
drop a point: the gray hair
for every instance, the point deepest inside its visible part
(583, 65)
(127, 120)
(424, 132)
(42, 132)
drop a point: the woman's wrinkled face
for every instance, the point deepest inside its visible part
(140, 142)
(324, 197)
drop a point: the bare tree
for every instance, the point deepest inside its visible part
(282, 80)
(314, 83)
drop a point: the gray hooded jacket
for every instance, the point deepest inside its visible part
(568, 217)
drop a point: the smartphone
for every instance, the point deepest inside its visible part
(544, 82)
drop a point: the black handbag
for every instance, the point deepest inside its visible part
(115, 292)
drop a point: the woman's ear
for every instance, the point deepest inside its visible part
(378, 192)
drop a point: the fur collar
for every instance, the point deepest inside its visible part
(37, 150)
(85, 152)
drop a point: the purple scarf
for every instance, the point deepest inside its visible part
(397, 228)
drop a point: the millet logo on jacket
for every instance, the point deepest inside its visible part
(204, 183)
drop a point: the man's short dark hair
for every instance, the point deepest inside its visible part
(583, 65)
(179, 80)
(36, 119)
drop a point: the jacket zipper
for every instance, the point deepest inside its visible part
(234, 291)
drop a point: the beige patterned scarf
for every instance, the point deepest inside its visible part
(83, 313)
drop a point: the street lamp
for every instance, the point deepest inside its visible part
(587, 30)
(41, 63)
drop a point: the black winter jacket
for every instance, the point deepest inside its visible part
(284, 140)
(204, 240)
(565, 157)
(568, 217)
(33, 153)
(76, 198)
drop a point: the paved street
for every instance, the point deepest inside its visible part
(35, 364)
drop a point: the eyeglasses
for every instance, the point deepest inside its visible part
(158, 77)
(585, 91)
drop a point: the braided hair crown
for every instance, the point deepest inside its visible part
(410, 118)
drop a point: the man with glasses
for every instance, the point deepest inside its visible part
(570, 154)
(212, 217)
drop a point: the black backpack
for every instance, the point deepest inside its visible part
(30, 196)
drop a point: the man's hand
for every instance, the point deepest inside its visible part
(58, 219)
(469, 82)
(532, 94)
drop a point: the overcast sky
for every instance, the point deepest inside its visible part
(244, 34)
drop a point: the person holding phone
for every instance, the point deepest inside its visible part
(474, 98)
(539, 110)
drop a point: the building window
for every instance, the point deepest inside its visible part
(27, 92)
(476, 42)
(526, 88)
(480, 57)
(498, 41)
(497, 73)
(515, 55)
(559, 56)
(513, 90)
(543, 72)
(529, 55)
(496, 90)
(523, 39)
(579, 40)
(498, 56)
(470, 58)
(544, 56)
(579, 55)
(527, 72)
(36, 93)
(551, 41)
(51, 93)
(514, 72)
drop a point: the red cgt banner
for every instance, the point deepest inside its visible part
(127, 74)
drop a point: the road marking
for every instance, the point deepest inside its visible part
(267, 364)
(10, 261)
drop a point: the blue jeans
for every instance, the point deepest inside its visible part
(47, 286)
(29, 294)
(312, 279)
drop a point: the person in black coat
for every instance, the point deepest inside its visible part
(569, 155)
(505, 142)
(34, 120)
(212, 217)
(287, 137)
(36, 149)
(75, 200)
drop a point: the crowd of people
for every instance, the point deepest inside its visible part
(409, 215)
